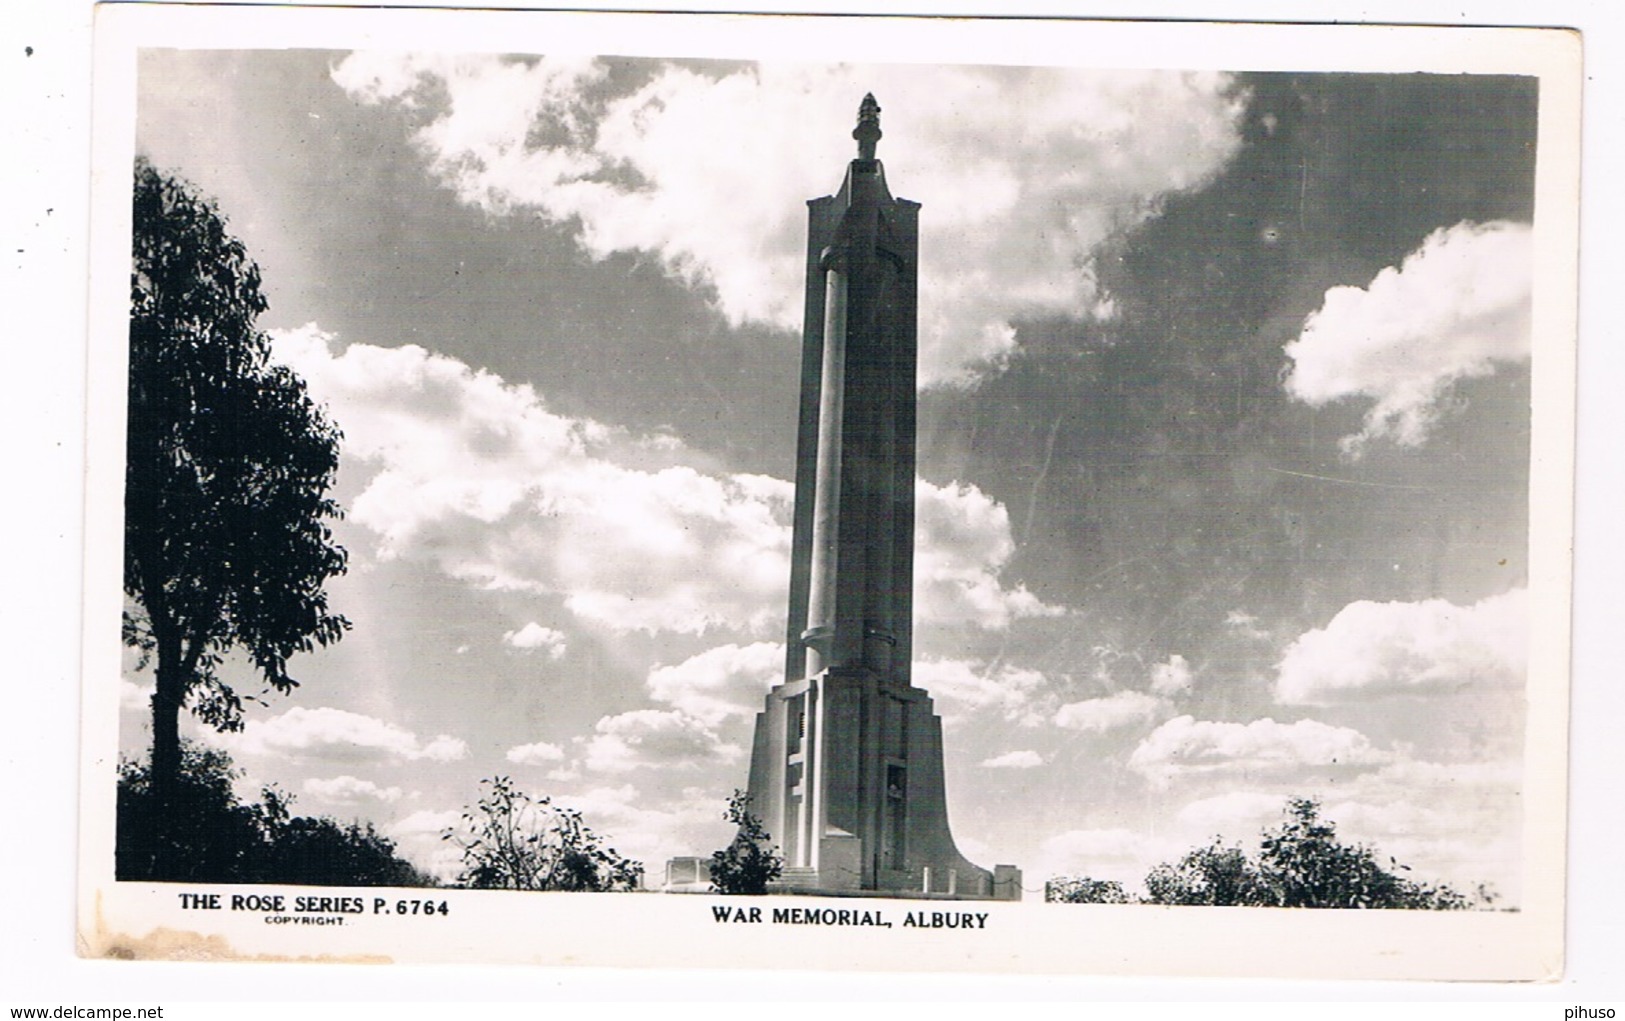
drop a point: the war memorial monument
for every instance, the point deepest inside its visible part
(846, 765)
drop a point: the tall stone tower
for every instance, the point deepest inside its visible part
(846, 767)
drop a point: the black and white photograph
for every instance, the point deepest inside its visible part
(1072, 478)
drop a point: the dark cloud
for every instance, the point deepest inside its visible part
(1157, 474)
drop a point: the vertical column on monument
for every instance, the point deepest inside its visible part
(859, 585)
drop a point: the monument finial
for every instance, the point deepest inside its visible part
(868, 130)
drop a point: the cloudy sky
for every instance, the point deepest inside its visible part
(1224, 436)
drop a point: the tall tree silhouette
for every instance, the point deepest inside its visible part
(226, 537)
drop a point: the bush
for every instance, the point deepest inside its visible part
(748, 864)
(1083, 890)
(1207, 875)
(1301, 864)
(1304, 865)
(207, 835)
(512, 841)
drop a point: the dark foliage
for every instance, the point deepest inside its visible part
(1083, 890)
(228, 467)
(1304, 865)
(209, 836)
(1301, 864)
(512, 841)
(1207, 875)
(748, 864)
(321, 852)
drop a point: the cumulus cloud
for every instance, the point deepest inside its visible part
(133, 696)
(1173, 677)
(1098, 715)
(337, 735)
(647, 828)
(1120, 854)
(480, 477)
(1245, 625)
(418, 837)
(1467, 862)
(1243, 815)
(1371, 650)
(1428, 799)
(1454, 308)
(653, 739)
(1185, 746)
(350, 790)
(1450, 835)
(534, 636)
(1024, 759)
(1235, 815)
(727, 681)
(1100, 842)
(1366, 821)
(1451, 821)
(963, 688)
(537, 754)
(426, 822)
(962, 542)
(708, 170)
(477, 476)
(1418, 773)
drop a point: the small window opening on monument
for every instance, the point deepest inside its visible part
(797, 720)
(893, 854)
(894, 727)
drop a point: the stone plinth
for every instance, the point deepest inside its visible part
(846, 775)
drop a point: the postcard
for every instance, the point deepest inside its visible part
(865, 493)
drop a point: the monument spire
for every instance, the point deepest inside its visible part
(867, 132)
(846, 767)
